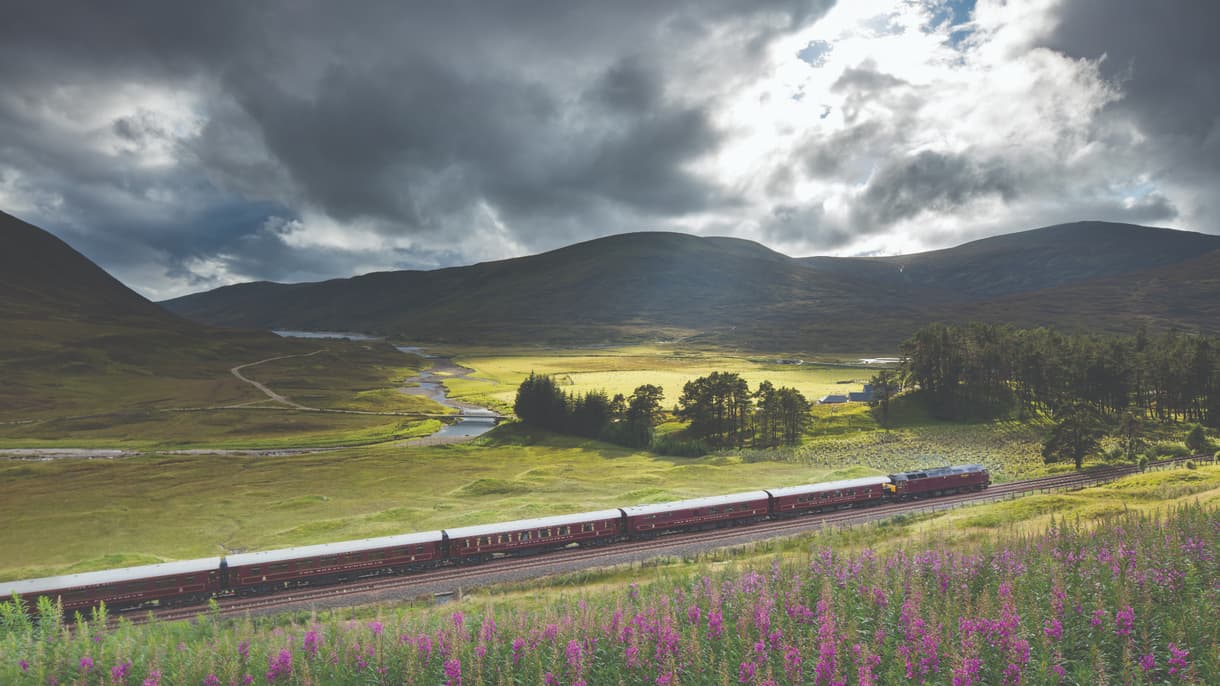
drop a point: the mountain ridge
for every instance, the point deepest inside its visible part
(726, 291)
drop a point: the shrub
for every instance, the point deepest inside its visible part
(675, 447)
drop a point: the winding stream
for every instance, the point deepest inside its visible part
(473, 420)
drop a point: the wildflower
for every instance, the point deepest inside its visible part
(118, 673)
(715, 623)
(573, 653)
(154, 679)
(280, 665)
(459, 619)
(311, 643)
(1054, 629)
(86, 663)
(453, 672)
(1148, 662)
(424, 645)
(1177, 659)
(243, 649)
(518, 648)
(1098, 618)
(1124, 621)
(692, 615)
(549, 679)
(377, 627)
(745, 673)
(211, 680)
(665, 679)
(23, 665)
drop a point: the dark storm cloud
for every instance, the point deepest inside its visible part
(930, 181)
(1165, 58)
(405, 118)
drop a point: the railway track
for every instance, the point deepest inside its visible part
(458, 577)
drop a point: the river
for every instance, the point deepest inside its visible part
(472, 420)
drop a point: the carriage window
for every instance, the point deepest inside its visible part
(525, 535)
(544, 533)
(586, 527)
(419, 549)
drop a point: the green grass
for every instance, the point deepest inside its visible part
(188, 506)
(117, 408)
(498, 372)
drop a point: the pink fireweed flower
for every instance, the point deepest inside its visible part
(518, 649)
(86, 663)
(154, 679)
(243, 649)
(118, 673)
(376, 627)
(311, 643)
(453, 673)
(459, 620)
(1124, 621)
(1054, 629)
(693, 614)
(1098, 618)
(574, 653)
(23, 665)
(1177, 658)
(1148, 662)
(279, 666)
(745, 673)
(715, 623)
(211, 680)
(424, 645)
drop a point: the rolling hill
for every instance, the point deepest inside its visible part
(76, 340)
(731, 292)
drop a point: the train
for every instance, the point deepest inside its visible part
(192, 582)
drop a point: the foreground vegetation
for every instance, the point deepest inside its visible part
(1130, 598)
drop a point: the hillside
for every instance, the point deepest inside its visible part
(723, 291)
(1033, 260)
(77, 340)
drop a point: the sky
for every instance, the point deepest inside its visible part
(189, 145)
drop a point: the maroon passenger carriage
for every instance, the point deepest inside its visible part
(645, 521)
(169, 583)
(525, 536)
(329, 563)
(830, 495)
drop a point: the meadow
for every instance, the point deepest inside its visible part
(498, 371)
(215, 409)
(1125, 598)
(152, 507)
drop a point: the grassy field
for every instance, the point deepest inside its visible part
(498, 372)
(153, 507)
(116, 409)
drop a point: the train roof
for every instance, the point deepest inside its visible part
(539, 523)
(107, 576)
(308, 551)
(671, 506)
(863, 482)
(939, 471)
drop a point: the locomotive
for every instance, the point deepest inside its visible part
(190, 582)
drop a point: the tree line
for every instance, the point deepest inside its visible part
(623, 420)
(720, 408)
(959, 369)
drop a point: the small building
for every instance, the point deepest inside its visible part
(832, 399)
(863, 396)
